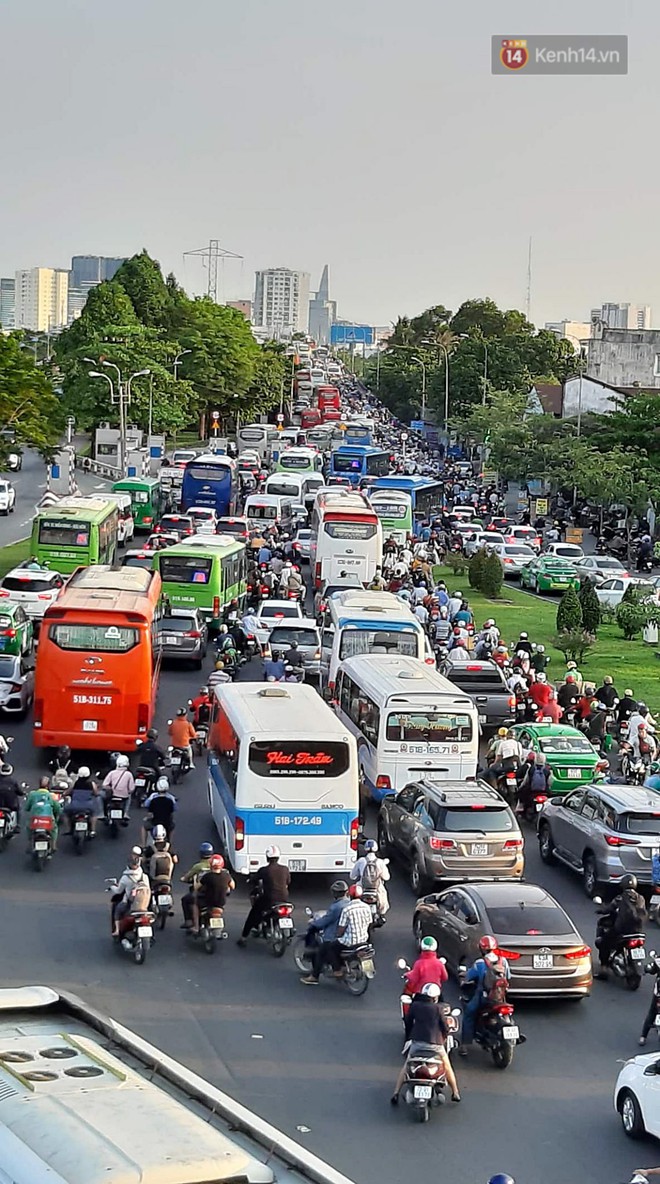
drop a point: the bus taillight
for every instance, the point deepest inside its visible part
(38, 713)
(216, 606)
(239, 830)
(143, 717)
(355, 827)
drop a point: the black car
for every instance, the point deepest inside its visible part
(183, 636)
(486, 685)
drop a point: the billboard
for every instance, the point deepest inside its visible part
(351, 335)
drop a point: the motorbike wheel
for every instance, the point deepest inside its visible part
(176, 775)
(3, 843)
(209, 944)
(355, 980)
(38, 863)
(633, 980)
(545, 844)
(114, 830)
(140, 951)
(502, 1055)
(301, 955)
(278, 946)
(422, 1113)
(162, 920)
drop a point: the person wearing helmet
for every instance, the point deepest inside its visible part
(40, 803)
(151, 756)
(201, 707)
(355, 922)
(425, 1026)
(488, 966)
(85, 799)
(274, 667)
(214, 888)
(640, 721)
(269, 886)
(626, 707)
(372, 873)
(192, 878)
(119, 784)
(502, 1178)
(625, 914)
(327, 951)
(428, 968)
(539, 659)
(571, 668)
(505, 753)
(161, 806)
(523, 643)
(568, 694)
(607, 693)
(131, 895)
(540, 692)
(182, 734)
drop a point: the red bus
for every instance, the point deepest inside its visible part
(98, 661)
(310, 417)
(328, 396)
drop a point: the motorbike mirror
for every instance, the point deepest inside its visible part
(653, 954)
(309, 911)
(169, 721)
(138, 743)
(9, 739)
(462, 970)
(24, 784)
(456, 1011)
(597, 899)
(402, 964)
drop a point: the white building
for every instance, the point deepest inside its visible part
(574, 331)
(40, 299)
(7, 302)
(623, 316)
(281, 301)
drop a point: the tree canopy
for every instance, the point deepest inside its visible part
(28, 403)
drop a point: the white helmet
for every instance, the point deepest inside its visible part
(432, 990)
(122, 762)
(83, 771)
(273, 852)
(541, 676)
(162, 783)
(370, 857)
(159, 833)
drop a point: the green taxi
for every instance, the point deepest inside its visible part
(16, 630)
(572, 759)
(549, 573)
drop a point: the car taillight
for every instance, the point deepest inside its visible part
(429, 661)
(601, 766)
(41, 596)
(512, 702)
(3, 592)
(15, 687)
(38, 708)
(323, 606)
(355, 827)
(8, 632)
(618, 841)
(239, 831)
(193, 633)
(513, 845)
(510, 955)
(318, 572)
(148, 521)
(143, 717)
(216, 606)
(437, 844)
(383, 782)
(580, 952)
(506, 560)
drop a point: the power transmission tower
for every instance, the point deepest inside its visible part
(528, 302)
(212, 254)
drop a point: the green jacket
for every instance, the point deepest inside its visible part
(40, 801)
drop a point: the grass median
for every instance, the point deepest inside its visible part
(13, 554)
(631, 663)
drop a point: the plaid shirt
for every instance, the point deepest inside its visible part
(357, 919)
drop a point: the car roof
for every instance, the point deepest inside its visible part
(33, 573)
(628, 797)
(297, 623)
(457, 793)
(505, 892)
(272, 602)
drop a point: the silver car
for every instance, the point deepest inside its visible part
(600, 567)
(183, 636)
(302, 543)
(16, 684)
(602, 832)
(308, 638)
(513, 557)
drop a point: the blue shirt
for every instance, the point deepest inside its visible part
(329, 922)
(274, 669)
(264, 555)
(477, 973)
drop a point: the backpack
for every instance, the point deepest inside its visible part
(370, 876)
(495, 984)
(630, 917)
(161, 866)
(538, 781)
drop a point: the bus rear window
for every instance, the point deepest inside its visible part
(431, 726)
(209, 473)
(350, 530)
(378, 641)
(55, 532)
(101, 638)
(140, 497)
(295, 462)
(184, 569)
(269, 512)
(294, 758)
(346, 464)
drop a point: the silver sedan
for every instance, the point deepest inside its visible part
(513, 557)
(16, 684)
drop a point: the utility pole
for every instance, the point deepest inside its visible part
(212, 254)
(528, 301)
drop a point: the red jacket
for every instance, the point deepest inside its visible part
(551, 711)
(540, 693)
(427, 969)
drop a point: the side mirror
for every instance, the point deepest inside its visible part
(597, 899)
(309, 911)
(456, 1011)
(402, 964)
(652, 1069)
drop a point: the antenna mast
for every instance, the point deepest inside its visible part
(212, 253)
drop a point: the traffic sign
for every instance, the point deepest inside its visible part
(280, 417)
(541, 505)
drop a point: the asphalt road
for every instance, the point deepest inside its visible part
(315, 1057)
(30, 485)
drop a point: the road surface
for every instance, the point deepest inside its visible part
(30, 486)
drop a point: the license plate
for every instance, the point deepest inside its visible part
(90, 725)
(638, 953)
(140, 782)
(176, 760)
(655, 902)
(216, 922)
(657, 1021)
(543, 961)
(368, 967)
(172, 640)
(573, 773)
(510, 1033)
(145, 931)
(41, 846)
(297, 865)
(538, 806)
(116, 814)
(479, 849)
(164, 902)
(286, 923)
(81, 826)
(482, 720)
(2, 824)
(424, 1092)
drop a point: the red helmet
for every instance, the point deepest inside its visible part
(487, 944)
(355, 891)
(216, 863)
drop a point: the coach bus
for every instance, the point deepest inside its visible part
(210, 480)
(346, 536)
(357, 461)
(76, 532)
(426, 493)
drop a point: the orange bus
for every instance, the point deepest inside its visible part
(98, 662)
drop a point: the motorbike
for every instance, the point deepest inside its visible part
(8, 826)
(179, 762)
(161, 901)
(627, 957)
(41, 841)
(495, 1030)
(145, 781)
(358, 963)
(634, 769)
(211, 929)
(80, 830)
(114, 817)
(533, 806)
(6, 769)
(425, 1082)
(507, 785)
(276, 927)
(294, 673)
(653, 968)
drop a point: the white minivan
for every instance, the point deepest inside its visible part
(362, 622)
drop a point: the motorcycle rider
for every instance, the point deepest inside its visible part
(214, 888)
(481, 970)
(427, 968)
(10, 795)
(625, 914)
(540, 692)
(192, 878)
(523, 643)
(120, 784)
(626, 707)
(151, 756)
(225, 643)
(132, 894)
(161, 806)
(539, 659)
(425, 1026)
(84, 798)
(508, 753)
(182, 733)
(293, 656)
(567, 695)
(159, 857)
(270, 885)
(372, 873)
(327, 951)
(378, 583)
(274, 668)
(607, 693)
(536, 779)
(40, 803)
(649, 1019)
(641, 718)
(201, 707)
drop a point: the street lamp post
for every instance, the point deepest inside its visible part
(582, 362)
(177, 361)
(483, 397)
(423, 365)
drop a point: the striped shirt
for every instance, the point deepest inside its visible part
(357, 918)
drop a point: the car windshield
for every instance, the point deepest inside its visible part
(527, 920)
(640, 824)
(178, 624)
(560, 745)
(289, 633)
(479, 819)
(525, 551)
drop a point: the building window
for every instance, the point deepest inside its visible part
(656, 366)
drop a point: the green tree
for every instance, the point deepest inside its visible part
(28, 403)
(152, 299)
(491, 580)
(569, 612)
(590, 605)
(476, 569)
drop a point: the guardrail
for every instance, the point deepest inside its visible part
(87, 465)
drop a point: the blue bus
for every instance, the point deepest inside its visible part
(210, 480)
(357, 461)
(358, 433)
(426, 493)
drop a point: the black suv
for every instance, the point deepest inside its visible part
(486, 685)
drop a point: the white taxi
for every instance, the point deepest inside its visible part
(7, 497)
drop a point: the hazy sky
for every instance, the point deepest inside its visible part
(368, 134)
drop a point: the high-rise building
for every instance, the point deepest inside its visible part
(322, 311)
(623, 316)
(7, 303)
(242, 306)
(41, 299)
(281, 301)
(575, 331)
(86, 272)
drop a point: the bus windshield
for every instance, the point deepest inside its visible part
(63, 532)
(209, 472)
(101, 638)
(184, 569)
(385, 641)
(427, 725)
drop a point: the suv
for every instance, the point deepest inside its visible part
(486, 685)
(450, 831)
(183, 636)
(603, 832)
(34, 588)
(328, 589)
(306, 633)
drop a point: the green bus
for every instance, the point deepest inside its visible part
(205, 572)
(76, 532)
(147, 500)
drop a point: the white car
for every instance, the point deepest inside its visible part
(302, 543)
(637, 1096)
(275, 612)
(569, 551)
(482, 538)
(7, 497)
(611, 591)
(513, 557)
(205, 519)
(34, 588)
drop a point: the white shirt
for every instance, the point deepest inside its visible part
(508, 747)
(420, 593)
(359, 866)
(422, 614)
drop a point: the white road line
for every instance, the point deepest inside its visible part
(28, 522)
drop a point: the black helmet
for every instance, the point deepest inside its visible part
(629, 882)
(339, 888)
(502, 1178)
(152, 734)
(64, 753)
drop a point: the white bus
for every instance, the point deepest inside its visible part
(408, 720)
(259, 437)
(369, 623)
(283, 770)
(346, 536)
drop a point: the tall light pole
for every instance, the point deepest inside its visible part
(582, 362)
(483, 397)
(177, 361)
(122, 417)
